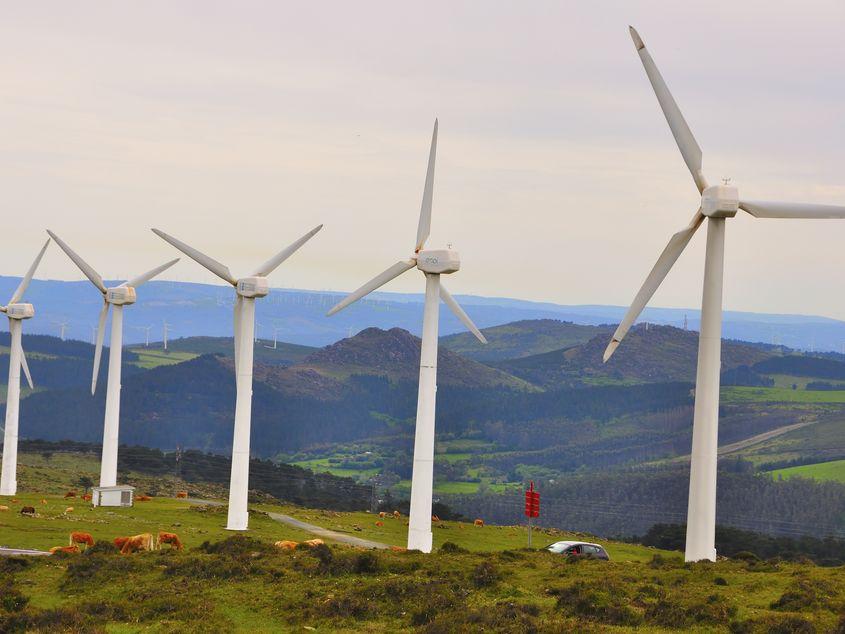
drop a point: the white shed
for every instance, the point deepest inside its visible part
(120, 495)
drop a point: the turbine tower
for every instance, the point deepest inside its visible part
(117, 297)
(718, 203)
(433, 264)
(16, 312)
(247, 290)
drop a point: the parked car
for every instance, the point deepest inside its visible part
(579, 549)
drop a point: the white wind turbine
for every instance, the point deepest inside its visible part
(433, 264)
(16, 312)
(117, 297)
(247, 289)
(718, 202)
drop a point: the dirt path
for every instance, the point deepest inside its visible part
(319, 531)
(13, 552)
(754, 440)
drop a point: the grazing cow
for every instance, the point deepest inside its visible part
(168, 538)
(479, 522)
(69, 510)
(86, 497)
(382, 514)
(396, 515)
(313, 543)
(70, 494)
(119, 542)
(43, 501)
(3, 507)
(144, 541)
(28, 510)
(81, 538)
(64, 549)
(379, 523)
(434, 518)
(286, 544)
(181, 494)
(142, 498)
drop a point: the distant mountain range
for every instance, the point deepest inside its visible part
(299, 316)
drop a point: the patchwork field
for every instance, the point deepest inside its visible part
(833, 470)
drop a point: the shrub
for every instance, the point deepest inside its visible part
(366, 563)
(605, 603)
(485, 575)
(807, 594)
(11, 600)
(452, 548)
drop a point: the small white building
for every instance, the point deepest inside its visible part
(120, 495)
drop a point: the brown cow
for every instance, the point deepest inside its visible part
(379, 523)
(69, 510)
(181, 494)
(144, 541)
(28, 510)
(313, 543)
(119, 542)
(434, 518)
(86, 497)
(64, 549)
(70, 494)
(285, 544)
(479, 522)
(142, 498)
(81, 538)
(382, 514)
(43, 501)
(3, 507)
(168, 538)
(396, 515)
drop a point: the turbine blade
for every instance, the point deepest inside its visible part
(270, 265)
(677, 243)
(220, 270)
(680, 130)
(26, 370)
(379, 280)
(765, 209)
(86, 268)
(98, 351)
(424, 227)
(237, 321)
(460, 314)
(28, 277)
(135, 282)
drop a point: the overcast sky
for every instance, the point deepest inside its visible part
(238, 126)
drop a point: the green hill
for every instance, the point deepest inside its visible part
(522, 339)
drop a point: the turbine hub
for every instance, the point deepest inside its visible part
(720, 201)
(438, 261)
(253, 287)
(20, 311)
(121, 295)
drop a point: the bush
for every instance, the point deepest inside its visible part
(452, 548)
(485, 575)
(605, 603)
(807, 594)
(366, 563)
(11, 600)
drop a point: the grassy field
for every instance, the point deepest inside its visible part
(149, 358)
(478, 578)
(833, 470)
(779, 395)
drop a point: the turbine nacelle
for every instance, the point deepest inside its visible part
(254, 286)
(121, 295)
(438, 261)
(720, 201)
(20, 311)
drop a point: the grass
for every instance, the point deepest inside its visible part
(833, 470)
(484, 580)
(779, 395)
(149, 358)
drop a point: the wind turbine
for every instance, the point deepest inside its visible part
(166, 328)
(16, 312)
(117, 297)
(276, 331)
(433, 264)
(247, 290)
(718, 202)
(146, 330)
(62, 328)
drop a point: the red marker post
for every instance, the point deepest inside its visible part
(532, 507)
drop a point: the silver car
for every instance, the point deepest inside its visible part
(579, 549)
